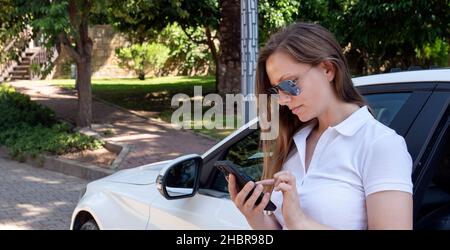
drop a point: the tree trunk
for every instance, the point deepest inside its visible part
(212, 48)
(84, 92)
(229, 66)
(82, 54)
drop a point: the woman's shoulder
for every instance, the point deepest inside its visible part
(375, 130)
(379, 139)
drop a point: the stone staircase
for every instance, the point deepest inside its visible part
(28, 56)
(22, 71)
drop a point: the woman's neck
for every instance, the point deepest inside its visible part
(334, 115)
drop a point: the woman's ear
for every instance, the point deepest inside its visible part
(329, 70)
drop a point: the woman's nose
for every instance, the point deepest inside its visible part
(284, 99)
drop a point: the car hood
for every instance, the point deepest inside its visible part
(143, 175)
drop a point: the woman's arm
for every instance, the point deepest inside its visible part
(390, 210)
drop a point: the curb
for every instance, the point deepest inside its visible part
(121, 150)
(64, 166)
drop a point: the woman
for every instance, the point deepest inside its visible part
(332, 166)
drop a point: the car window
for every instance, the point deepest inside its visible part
(385, 106)
(247, 156)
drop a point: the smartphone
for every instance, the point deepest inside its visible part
(227, 167)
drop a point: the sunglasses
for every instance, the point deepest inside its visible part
(287, 86)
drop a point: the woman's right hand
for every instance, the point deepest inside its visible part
(253, 213)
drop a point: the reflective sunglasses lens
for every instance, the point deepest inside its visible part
(289, 87)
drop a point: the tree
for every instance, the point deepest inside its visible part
(142, 21)
(204, 14)
(139, 20)
(66, 22)
(200, 14)
(273, 15)
(10, 27)
(378, 35)
(229, 64)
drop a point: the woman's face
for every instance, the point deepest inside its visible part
(314, 83)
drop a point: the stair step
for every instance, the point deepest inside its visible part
(22, 67)
(20, 78)
(20, 73)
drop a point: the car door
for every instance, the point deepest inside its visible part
(429, 139)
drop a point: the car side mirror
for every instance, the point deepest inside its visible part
(181, 178)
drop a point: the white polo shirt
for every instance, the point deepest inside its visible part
(352, 160)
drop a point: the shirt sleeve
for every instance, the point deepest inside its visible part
(388, 166)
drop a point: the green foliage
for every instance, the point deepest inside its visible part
(140, 20)
(10, 25)
(183, 51)
(143, 57)
(379, 35)
(179, 24)
(16, 108)
(436, 53)
(35, 68)
(29, 129)
(26, 140)
(275, 14)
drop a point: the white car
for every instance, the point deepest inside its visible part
(190, 193)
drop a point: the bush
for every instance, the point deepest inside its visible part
(142, 58)
(16, 108)
(185, 54)
(29, 129)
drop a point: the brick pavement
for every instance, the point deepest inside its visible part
(34, 198)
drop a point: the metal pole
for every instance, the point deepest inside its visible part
(249, 55)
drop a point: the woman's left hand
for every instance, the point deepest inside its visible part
(284, 181)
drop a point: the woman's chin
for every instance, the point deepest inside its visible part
(302, 117)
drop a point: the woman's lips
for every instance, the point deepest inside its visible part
(296, 109)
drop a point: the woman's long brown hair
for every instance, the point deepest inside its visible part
(311, 44)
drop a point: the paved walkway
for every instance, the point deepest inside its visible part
(34, 198)
(149, 140)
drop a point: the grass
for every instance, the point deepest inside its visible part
(154, 94)
(149, 95)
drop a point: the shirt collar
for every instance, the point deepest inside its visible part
(354, 122)
(347, 127)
